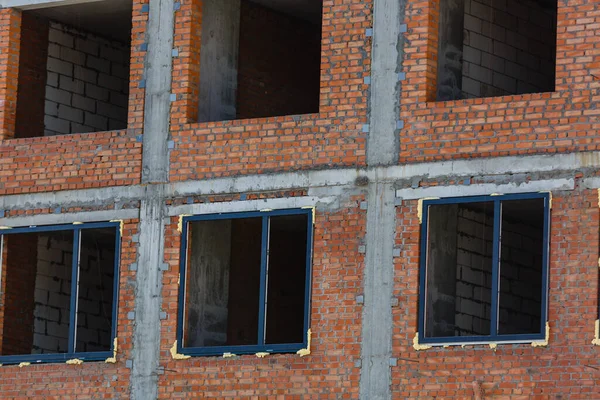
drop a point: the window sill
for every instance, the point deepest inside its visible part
(233, 351)
(30, 359)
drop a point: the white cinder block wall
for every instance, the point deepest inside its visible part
(87, 84)
(520, 281)
(52, 296)
(508, 48)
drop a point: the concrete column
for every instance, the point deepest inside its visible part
(146, 332)
(219, 60)
(450, 50)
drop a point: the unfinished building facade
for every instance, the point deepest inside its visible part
(299, 199)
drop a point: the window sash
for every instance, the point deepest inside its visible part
(495, 290)
(261, 346)
(71, 354)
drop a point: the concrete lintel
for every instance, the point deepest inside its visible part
(486, 189)
(591, 182)
(250, 205)
(37, 4)
(313, 180)
(68, 198)
(69, 218)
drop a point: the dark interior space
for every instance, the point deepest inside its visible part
(37, 300)
(495, 48)
(286, 279)
(74, 69)
(38, 292)
(521, 262)
(223, 282)
(259, 59)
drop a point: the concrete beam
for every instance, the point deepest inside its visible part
(531, 165)
(37, 4)
(251, 205)
(486, 189)
(69, 218)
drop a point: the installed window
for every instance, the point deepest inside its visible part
(58, 292)
(245, 282)
(484, 269)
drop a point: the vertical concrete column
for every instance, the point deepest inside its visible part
(382, 150)
(155, 173)
(219, 60)
(146, 333)
(10, 41)
(155, 164)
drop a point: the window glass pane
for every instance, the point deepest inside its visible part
(521, 262)
(286, 279)
(222, 282)
(459, 269)
(37, 282)
(96, 289)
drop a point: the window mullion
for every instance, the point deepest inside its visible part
(264, 276)
(74, 290)
(495, 268)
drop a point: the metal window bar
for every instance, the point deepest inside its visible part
(494, 320)
(71, 354)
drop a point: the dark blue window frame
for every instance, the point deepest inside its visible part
(261, 346)
(494, 336)
(86, 356)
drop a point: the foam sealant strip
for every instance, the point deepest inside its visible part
(306, 351)
(420, 207)
(120, 221)
(74, 361)
(180, 223)
(175, 355)
(312, 208)
(228, 355)
(596, 340)
(261, 354)
(543, 343)
(417, 346)
(113, 359)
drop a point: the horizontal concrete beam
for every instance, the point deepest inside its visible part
(36, 4)
(69, 218)
(250, 205)
(486, 189)
(312, 179)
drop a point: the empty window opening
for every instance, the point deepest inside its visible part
(259, 58)
(43, 313)
(473, 258)
(495, 48)
(74, 69)
(245, 282)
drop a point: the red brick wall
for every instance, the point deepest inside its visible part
(10, 41)
(563, 121)
(19, 299)
(333, 137)
(279, 64)
(32, 77)
(329, 372)
(566, 367)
